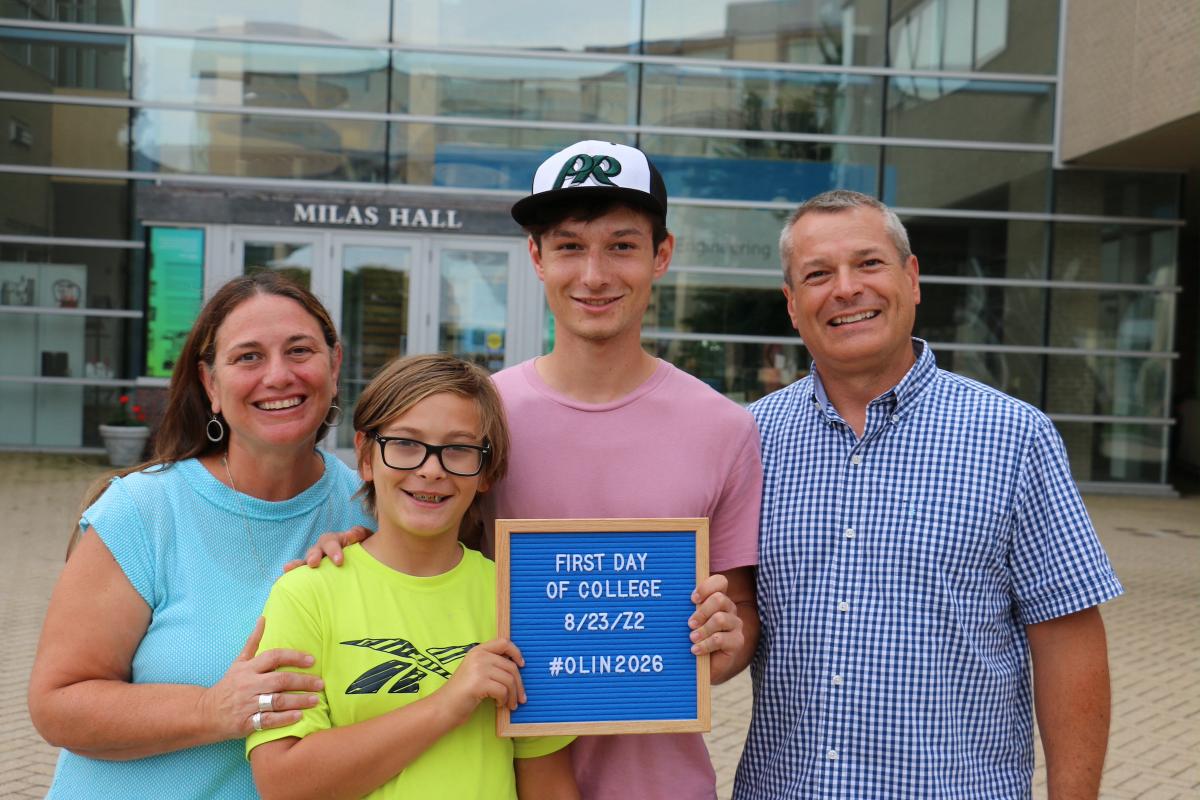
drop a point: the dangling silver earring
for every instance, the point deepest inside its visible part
(336, 412)
(208, 430)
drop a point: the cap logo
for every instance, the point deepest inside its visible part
(582, 167)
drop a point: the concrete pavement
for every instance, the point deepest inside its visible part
(1154, 634)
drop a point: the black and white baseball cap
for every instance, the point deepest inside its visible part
(593, 169)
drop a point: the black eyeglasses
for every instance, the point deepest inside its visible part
(464, 460)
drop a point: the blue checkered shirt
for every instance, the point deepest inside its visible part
(897, 573)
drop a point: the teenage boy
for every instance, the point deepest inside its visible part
(603, 429)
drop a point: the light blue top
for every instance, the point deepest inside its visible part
(897, 573)
(181, 538)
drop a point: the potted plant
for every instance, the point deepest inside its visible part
(125, 433)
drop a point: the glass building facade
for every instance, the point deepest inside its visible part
(154, 149)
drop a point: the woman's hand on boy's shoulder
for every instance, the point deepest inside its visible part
(490, 670)
(330, 545)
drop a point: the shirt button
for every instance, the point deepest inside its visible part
(843, 606)
(895, 417)
(837, 680)
(856, 459)
(831, 755)
(849, 533)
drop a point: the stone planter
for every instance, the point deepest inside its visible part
(124, 443)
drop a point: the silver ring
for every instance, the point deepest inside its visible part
(256, 720)
(266, 702)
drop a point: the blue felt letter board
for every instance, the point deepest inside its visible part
(599, 610)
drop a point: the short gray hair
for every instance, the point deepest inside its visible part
(832, 202)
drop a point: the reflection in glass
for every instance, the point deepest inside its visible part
(741, 238)
(1008, 315)
(1116, 253)
(258, 146)
(1123, 387)
(258, 74)
(375, 288)
(472, 317)
(969, 35)
(760, 100)
(362, 20)
(65, 135)
(843, 32)
(742, 371)
(1088, 319)
(42, 61)
(718, 304)
(572, 25)
(952, 108)
(95, 12)
(753, 169)
(107, 270)
(1117, 194)
(511, 88)
(295, 261)
(1113, 452)
(983, 180)
(978, 248)
(43, 205)
(1017, 374)
(476, 158)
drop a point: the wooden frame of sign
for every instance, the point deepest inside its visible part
(601, 609)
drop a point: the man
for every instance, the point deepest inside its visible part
(602, 429)
(921, 539)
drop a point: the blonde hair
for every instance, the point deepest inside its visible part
(404, 382)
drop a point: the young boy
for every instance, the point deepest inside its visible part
(403, 633)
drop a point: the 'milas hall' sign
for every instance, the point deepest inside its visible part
(365, 216)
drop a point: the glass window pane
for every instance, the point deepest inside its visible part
(473, 314)
(760, 100)
(1116, 253)
(1112, 320)
(43, 205)
(362, 20)
(745, 238)
(375, 287)
(240, 74)
(1017, 374)
(294, 260)
(1117, 194)
(1132, 453)
(1008, 315)
(689, 302)
(1107, 386)
(95, 12)
(577, 25)
(104, 284)
(753, 169)
(978, 248)
(511, 88)
(476, 157)
(991, 30)
(742, 371)
(61, 135)
(844, 32)
(951, 108)
(939, 34)
(984, 180)
(42, 61)
(259, 146)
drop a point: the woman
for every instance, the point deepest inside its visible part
(143, 672)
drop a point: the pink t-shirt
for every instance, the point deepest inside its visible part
(671, 448)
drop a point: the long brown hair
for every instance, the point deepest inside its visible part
(181, 435)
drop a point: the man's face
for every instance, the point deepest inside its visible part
(598, 274)
(849, 295)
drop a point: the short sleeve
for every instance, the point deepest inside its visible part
(293, 623)
(1057, 564)
(538, 746)
(734, 524)
(117, 520)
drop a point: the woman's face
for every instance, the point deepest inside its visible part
(273, 378)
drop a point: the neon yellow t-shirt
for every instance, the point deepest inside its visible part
(382, 640)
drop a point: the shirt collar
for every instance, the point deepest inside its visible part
(904, 394)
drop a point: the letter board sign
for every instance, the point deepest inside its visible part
(599, 609)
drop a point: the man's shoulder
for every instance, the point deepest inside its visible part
(958, 394)
(683, 387)
(780, 402)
